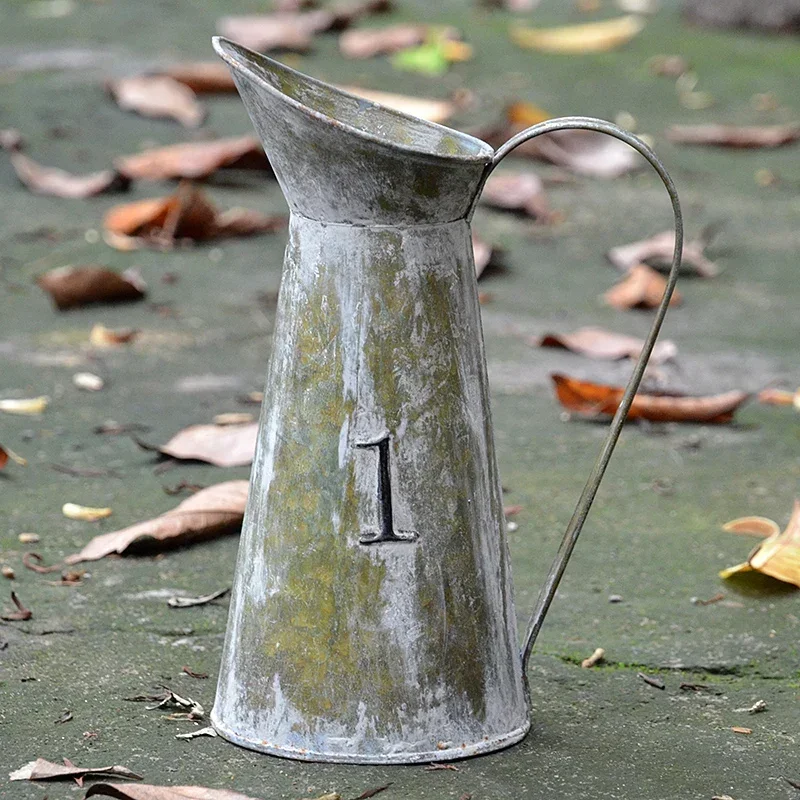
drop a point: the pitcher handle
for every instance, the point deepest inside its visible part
(581, 511)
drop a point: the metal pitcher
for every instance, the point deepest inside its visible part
(372, 618)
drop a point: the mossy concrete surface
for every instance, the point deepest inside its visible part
(654, 537)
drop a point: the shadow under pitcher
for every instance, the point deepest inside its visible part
(372, 616)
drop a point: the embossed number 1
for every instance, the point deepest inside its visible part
(387, 532)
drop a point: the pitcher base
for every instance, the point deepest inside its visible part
(446, 754)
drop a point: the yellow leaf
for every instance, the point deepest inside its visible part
(85, 513)
(526, 114)
(778, 556)
(592, 37)
(33, 405)
(455, 50)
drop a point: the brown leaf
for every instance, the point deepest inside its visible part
(192, 674)
(195, 160)
(606, 345)
(211, 512)
(158, 96)
(35, 563)
(777, 556)
(753, 526)
(202, 77)
(371, 42)
(221, 445)
(277, 31)
(105, 338)
(42, 770)
(593, 399)
(656, 251)
(779, 397)
(642, 287)
(143, 791)
(522, 192)
(582, 152)
(60, 183)
(71, 287)
(187, 214)
(20, 615)
(734, 136)
(423, 107)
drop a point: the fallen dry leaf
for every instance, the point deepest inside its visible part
(780, 397)
(591, 37)
(593, 400)
(211, 512)
(195, 160)
(158, 96)
(734, 136)
(71, 287)
(423, 107)
(35, 563)
(656, 251)
(7, 454)
(88, 381)
(753, 526)
(740, 729)
(27, 406)
(221, 445)
(668, 66)
(642, 287)
(202, 77)
(85, 513)
(582, 152)
(371, 42)
(8, 572)
(143, 791)
(233, 418)
(778, 555)
(189, 602)
(605, 345)
(187, 214)
(194, 734)
(277, 31)
(104, 338)
(595, 658)
(523, 192)
(43, 770)
(20, 615)
(10, 139)
(60, 183)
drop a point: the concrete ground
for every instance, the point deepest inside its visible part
(654, 537)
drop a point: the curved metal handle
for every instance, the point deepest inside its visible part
(575, 526)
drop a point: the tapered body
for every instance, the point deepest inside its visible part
(372, 617)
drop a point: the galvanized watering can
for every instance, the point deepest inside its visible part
(372, 619)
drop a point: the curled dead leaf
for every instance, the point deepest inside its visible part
(202, 77)
(106, 338)
(735, 136)
(60, 183)
(277, 31)
(778, 555)
(371, 42)
(656, 251)
(20, 615)
(7, 454)
(642, 287)
(598, 400)
(591, 37)
(71, 287)
(190, 602)
(582, 152)
(522, 192)
(595, 658)
(187, 214)
(779, 397)
(26, 406)
(158, 96)
(424, 108)
(85, 513)
(195, 160)
(144, 791)
(43, 770)
(210, 512)
(35, 563)
(221, 445)
(605, 345)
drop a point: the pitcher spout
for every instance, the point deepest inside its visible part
(340, 158)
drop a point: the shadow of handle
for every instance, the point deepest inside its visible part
(598, 470)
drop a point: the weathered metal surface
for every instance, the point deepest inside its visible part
(372, 616)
